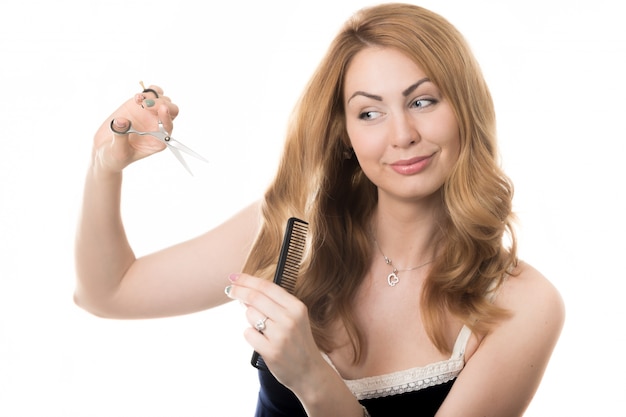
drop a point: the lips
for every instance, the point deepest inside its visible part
(412, 166)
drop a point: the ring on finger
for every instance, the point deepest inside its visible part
(150, 90)
(260, 325)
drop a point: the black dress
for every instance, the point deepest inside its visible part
(414, 392)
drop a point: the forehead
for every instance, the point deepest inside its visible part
(378, 69)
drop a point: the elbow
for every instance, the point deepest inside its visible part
(91, 306)
(80, 303)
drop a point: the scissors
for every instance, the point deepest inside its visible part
(163, 136)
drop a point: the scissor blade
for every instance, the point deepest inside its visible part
(180, 158)
(173, 143)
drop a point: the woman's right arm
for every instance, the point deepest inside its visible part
(181, 279)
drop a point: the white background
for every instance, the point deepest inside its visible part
(556, 70)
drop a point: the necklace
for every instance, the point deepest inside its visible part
(393, 279)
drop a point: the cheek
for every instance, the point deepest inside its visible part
(450, 141)
(455, 146)
(451, 135)
(362, 141)
(453, 154)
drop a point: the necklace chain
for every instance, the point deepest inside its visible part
(393, 279)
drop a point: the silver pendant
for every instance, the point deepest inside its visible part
(392, 279)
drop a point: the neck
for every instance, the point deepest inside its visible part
(405, 233)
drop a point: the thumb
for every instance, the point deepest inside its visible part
(120, 126)
(120, 150)
(135, 147)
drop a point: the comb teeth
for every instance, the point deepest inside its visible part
(288, 267)
(291, 254)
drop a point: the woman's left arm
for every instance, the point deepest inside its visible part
(503, 374)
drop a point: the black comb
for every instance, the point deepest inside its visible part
(288, 266)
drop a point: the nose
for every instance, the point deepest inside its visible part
(404, 132)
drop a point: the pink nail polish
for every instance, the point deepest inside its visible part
(233, 277)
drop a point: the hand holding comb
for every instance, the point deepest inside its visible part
(288, 267)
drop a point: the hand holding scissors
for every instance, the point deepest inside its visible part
(164, 137)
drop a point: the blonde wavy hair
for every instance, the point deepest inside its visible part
(315, 182)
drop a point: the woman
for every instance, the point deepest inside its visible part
(408, 301)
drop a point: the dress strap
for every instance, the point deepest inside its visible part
(464, 335)
(461, 343)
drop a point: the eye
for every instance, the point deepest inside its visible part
(369, 115)
(421, 103)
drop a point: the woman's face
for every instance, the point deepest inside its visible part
(404, 133)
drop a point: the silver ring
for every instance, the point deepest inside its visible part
(260, 325)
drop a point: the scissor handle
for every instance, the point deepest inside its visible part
(163, 136)
(117, 131)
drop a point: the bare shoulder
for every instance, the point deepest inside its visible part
(527, 293)
(503, 373)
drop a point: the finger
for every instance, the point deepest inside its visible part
(149, 101)
(155, 89)
(257, 320)
(120, 126)
(129, 147)
(151, 94)
(119, 143)
(164, 113)
(258, 305)
(287, 315)
(163, 99)
(269, 288)
(162, 108)
(261, 294)
(259, 342)
(156, 93)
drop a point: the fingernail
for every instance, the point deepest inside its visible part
(227, 290)
(233, 277)
(120, 125)
(149, 102)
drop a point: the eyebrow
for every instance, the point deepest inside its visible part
(405, 93)
(414, 86)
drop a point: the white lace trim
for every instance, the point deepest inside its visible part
(405, 381)
(413, 379)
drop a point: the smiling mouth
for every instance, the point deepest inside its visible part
(413, 165)
(412, 161)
